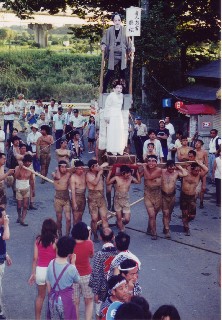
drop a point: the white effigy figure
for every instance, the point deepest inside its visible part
(116, 139)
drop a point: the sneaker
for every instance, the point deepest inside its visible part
(2, 316)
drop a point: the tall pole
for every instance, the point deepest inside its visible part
(145, 12)
(131, 69)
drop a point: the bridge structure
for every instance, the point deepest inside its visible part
(41, 22)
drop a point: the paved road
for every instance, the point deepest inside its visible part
(182, 271)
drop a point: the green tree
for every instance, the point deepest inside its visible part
(198, 21)
(158, 51)
(7, 34)
(92, 33)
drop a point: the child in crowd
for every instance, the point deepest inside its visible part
(91, 135)
(150, 150)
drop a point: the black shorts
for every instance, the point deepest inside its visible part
(91, 140)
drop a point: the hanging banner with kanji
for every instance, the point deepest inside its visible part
(133, 21)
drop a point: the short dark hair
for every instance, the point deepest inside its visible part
(184, 137)
(151, 144)
(32, 107)
(15, 138)
(27, 158)
(1, 211)
(126, 264)
(65, 246)
(22, 145)
(125, 169)
(80, 231)
(2, 154)
(166, 311)
(151, 131)
(46, 128)
(75, 132)
(62, 140)
(129, 311)
(143, 303)
(150, 156)
(215, 130)
(108, 236)
(170, 163)
(201, 141)
(122, 241)
(194, 165)
(114, 280)
(53, 100)
(193, 153)
(92, 162)
(15, 129)
(78, 163)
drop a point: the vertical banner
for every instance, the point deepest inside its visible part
(133, 21)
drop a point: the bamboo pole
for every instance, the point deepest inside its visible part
(102, 72)
(38, 174)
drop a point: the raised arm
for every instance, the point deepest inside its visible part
(110, 180)
(203, 167)
(181, 171)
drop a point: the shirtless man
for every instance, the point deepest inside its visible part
(23, 152)
(3, 176)
(24, 180)
(168, 190)
(203, 157)
(188, 193)
(192, 156)
(96, 200)
(61, 178)
(43, 151)
(78, 188)
(182, 152)
(63, 153)
(121, 199)
(152, 192)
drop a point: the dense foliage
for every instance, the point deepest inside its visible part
(45, 74)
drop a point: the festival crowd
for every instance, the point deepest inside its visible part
(62, 264)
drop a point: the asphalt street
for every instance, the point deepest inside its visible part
(182, 271)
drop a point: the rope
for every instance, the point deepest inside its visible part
(64, 135)
(180, 242)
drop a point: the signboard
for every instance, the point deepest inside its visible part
(179, 104)
(166, 103)
(206, 124)
(133, 21)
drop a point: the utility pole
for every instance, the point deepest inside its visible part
(145, 12)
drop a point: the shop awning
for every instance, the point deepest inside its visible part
(197, 109)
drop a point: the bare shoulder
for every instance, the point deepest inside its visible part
(89, 176)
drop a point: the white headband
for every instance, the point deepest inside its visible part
(127, 269)
(118, 284)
